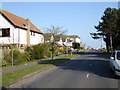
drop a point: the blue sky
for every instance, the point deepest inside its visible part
(78, 18)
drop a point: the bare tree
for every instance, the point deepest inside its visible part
(55, 32)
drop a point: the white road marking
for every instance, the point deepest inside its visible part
(87, 75)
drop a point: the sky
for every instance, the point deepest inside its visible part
(79, 18)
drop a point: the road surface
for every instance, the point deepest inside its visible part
(89, 70)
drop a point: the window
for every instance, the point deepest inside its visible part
(5, 32)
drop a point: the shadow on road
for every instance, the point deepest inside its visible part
(96, 63)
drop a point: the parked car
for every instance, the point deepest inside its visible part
(115, 62)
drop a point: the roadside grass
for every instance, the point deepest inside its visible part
(15, 75)
(10, 65)
(61, 59)
(8, 78)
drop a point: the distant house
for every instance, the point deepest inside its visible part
(17, 30)
(62, 40)
(48, 37)
(74, 38)
(67, 40)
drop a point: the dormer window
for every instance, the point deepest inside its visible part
(24, 25)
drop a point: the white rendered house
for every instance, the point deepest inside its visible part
(17, 30)
(74, 38)
(68, 40)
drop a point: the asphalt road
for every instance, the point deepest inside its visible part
(89, 70)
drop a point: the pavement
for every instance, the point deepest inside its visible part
(14, 68)
(89, 70)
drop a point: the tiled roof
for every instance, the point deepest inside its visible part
(47, 36)
(19, 21)
(73, 36)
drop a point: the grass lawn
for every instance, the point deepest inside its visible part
(18, 74)
(9, 66)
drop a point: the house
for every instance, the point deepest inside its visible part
(18, 31)
(67, 40)
(62, 40)
(74, 38)
(48, 37)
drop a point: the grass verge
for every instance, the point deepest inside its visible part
(8, 78)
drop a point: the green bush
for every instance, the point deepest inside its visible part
(3, 63)
(7, 58)
(18, 57)
(40, 51)
(76, 45)
(26, 56)
(61, 50)
(28, 49)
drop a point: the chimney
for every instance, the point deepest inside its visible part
(28, 32)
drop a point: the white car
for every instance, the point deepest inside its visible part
(115, 62)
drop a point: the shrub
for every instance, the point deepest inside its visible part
(76, 45)
(18, 57)
(3, 62)
(7, 58)
(28, 49)
(26, 56)
(40, 51)
(61, 49)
